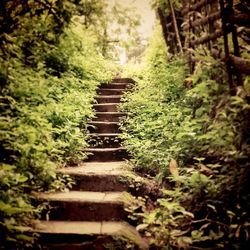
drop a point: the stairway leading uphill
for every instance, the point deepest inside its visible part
(92, 213)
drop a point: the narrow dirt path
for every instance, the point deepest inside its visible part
(92, 213)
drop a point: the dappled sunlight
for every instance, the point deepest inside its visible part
(123, 57)
(131, 45)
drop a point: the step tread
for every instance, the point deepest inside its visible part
(80, 172)
(104, 149)
(68, 227)
(116, 83)
(110, 113)
(109, 96)
(83, 227)
(86, 228)
(113, 90)
(104, 134)
(120, 83)
(107, 168)
(106, 104)
(113, 164)
(107, 228)
(84, 196)
(102, 122)
(96, 167)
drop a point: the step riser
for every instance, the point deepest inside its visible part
(101, 99)
(123, 80)
(55, 241)
(110, 91)
(104, 128)
(118, 155)
(109, 117)
(115, 86)
(106, 108)
(74, 241)
(85, 211)
(104, 142)
(98, 183)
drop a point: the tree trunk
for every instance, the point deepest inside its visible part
(177, 35)
(163, 25)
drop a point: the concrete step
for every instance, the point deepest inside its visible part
(103, 127)
(108, 98)
(106, 107)
(84, 205)
(116, 85)
(106, 140)
(123, 80)
(84, 235)
(98, 167)
(98, 176)
(107, 154)
(109, 116)
(110, 91)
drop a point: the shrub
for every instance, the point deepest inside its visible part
(189, 133)
(44, 108)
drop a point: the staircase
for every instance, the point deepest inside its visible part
(92, 214)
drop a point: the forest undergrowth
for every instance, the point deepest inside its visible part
(50, 67)
(188, 134)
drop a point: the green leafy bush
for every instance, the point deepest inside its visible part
(44, 108)
(157, 110)
(188, 132)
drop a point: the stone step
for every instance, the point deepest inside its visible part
(123, 80)
(84, 205)
(110, 91)
(84, 235)
(98, 176)
(99, 167)
(116, 85)
(106, 107)
(108, 98)
(104, 140)
(106, 154)
(109, 116)
(103, 127)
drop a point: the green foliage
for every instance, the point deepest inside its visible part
(30, 27)
(164, 5)
(113, 24)
(189, 133)
(14, 205)
(163, 225)
(153, 108)
(47, 87)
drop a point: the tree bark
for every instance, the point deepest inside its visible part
(163, 25)
(240, 64)
(207, 38)
(175, 27)
(197, 6)
(202, 21)
(239, 19)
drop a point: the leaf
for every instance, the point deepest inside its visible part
(184, 242)
(199, 159)
(25, 237)
(212, 207)
(237, 233)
